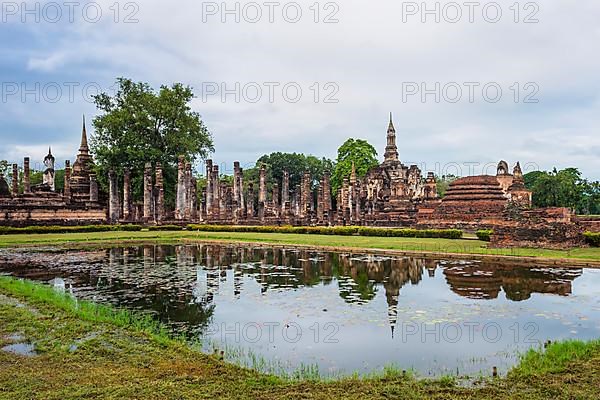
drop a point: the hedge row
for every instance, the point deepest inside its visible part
(593, 238)
(485, 235)
(8, 230)
(338, 231)
(309, 230)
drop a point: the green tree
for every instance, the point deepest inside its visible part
(5, 168)
(565, 188)
(357, 151)
(139, 125)
(294, 163)
(443, 183)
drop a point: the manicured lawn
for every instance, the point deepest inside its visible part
(463, 246)
(86, 352)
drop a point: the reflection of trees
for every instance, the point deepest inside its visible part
(181, 283)
(485, 280)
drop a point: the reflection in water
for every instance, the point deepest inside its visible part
(184, 285)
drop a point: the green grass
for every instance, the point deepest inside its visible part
(120, 355)
(410, 245)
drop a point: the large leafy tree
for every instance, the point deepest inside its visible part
(357, 151)
(565, 188)
(139, 125)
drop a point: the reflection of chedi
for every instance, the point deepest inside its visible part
(485, 280)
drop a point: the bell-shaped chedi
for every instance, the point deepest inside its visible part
(80, 177)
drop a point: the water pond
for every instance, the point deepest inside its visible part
(287, 309)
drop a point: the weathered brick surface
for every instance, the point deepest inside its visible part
(540, 228)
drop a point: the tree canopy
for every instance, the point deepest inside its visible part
(565, 188)
(295, 163)
(357, 151)
(139, 125)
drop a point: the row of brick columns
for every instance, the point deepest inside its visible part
(153, 209)
(231, 203)
(186, 206)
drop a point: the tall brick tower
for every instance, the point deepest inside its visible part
(391, 150)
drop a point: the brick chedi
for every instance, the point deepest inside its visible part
(476, 202)
(80, 176)
(79, 203)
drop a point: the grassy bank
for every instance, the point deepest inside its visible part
(411, 245)
(87, 351)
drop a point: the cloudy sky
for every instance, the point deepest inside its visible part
(487, 81)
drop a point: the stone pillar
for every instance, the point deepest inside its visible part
(250, 206)
(113, 198)
(327, 206)
(285, 190)
(306, 189)
(242, 197)
(340, 207)
(187, 213)
(297, 200)
(180, 201)
(67, 183)
(160, 190)
(209, 187)
(15, 180)
(127, 214)
(204, 206)
(237, 204)
(93, 188)
(346, 200)
(320, 204)
(148, 193)
(194, 200)
(262, 188)
(276, 196)
(26, 176)
(216, 191)
(222, 200)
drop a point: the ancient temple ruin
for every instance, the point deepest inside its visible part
(389, 195)
(79, 203)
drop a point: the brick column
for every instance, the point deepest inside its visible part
(194, 199)
(236, 189)
(216, 191)
(15, 180)
(187, 213)
(148, 192)
(67, 183)
(242, 196)
(26, 176)
(127, 214)
(180, 202)
(250, 206)
(262, 182)
(327, 206)
(209, 187)
(93, 188)
(285, 193)
(113, 198)
(160, 188)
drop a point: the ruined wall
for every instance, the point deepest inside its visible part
(553, 228)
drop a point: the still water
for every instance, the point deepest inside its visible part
(281, 309)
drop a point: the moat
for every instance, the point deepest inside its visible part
(285, 309)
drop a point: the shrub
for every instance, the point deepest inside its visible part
(485, 235)
(338, 230)
(592, 238)
(164, 228)
(9, 230)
